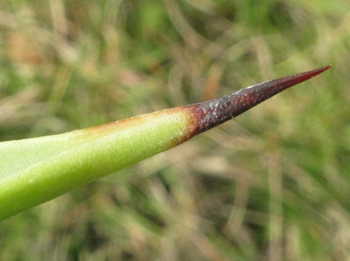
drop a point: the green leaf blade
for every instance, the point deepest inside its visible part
(86, 155)
(37, 170)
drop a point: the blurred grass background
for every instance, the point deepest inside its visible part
(272, 184)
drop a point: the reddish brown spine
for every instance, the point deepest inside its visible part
(214, 112)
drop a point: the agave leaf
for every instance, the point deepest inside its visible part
(33, 171)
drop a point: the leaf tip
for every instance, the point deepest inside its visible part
(214, 112)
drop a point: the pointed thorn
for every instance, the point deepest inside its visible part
(214, 112)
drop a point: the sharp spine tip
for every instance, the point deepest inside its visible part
(214, 112)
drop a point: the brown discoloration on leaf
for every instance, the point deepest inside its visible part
(128, 123)
(214, 112)
(200, 117)
(187, 119)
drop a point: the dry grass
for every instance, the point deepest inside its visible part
(271, 185)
